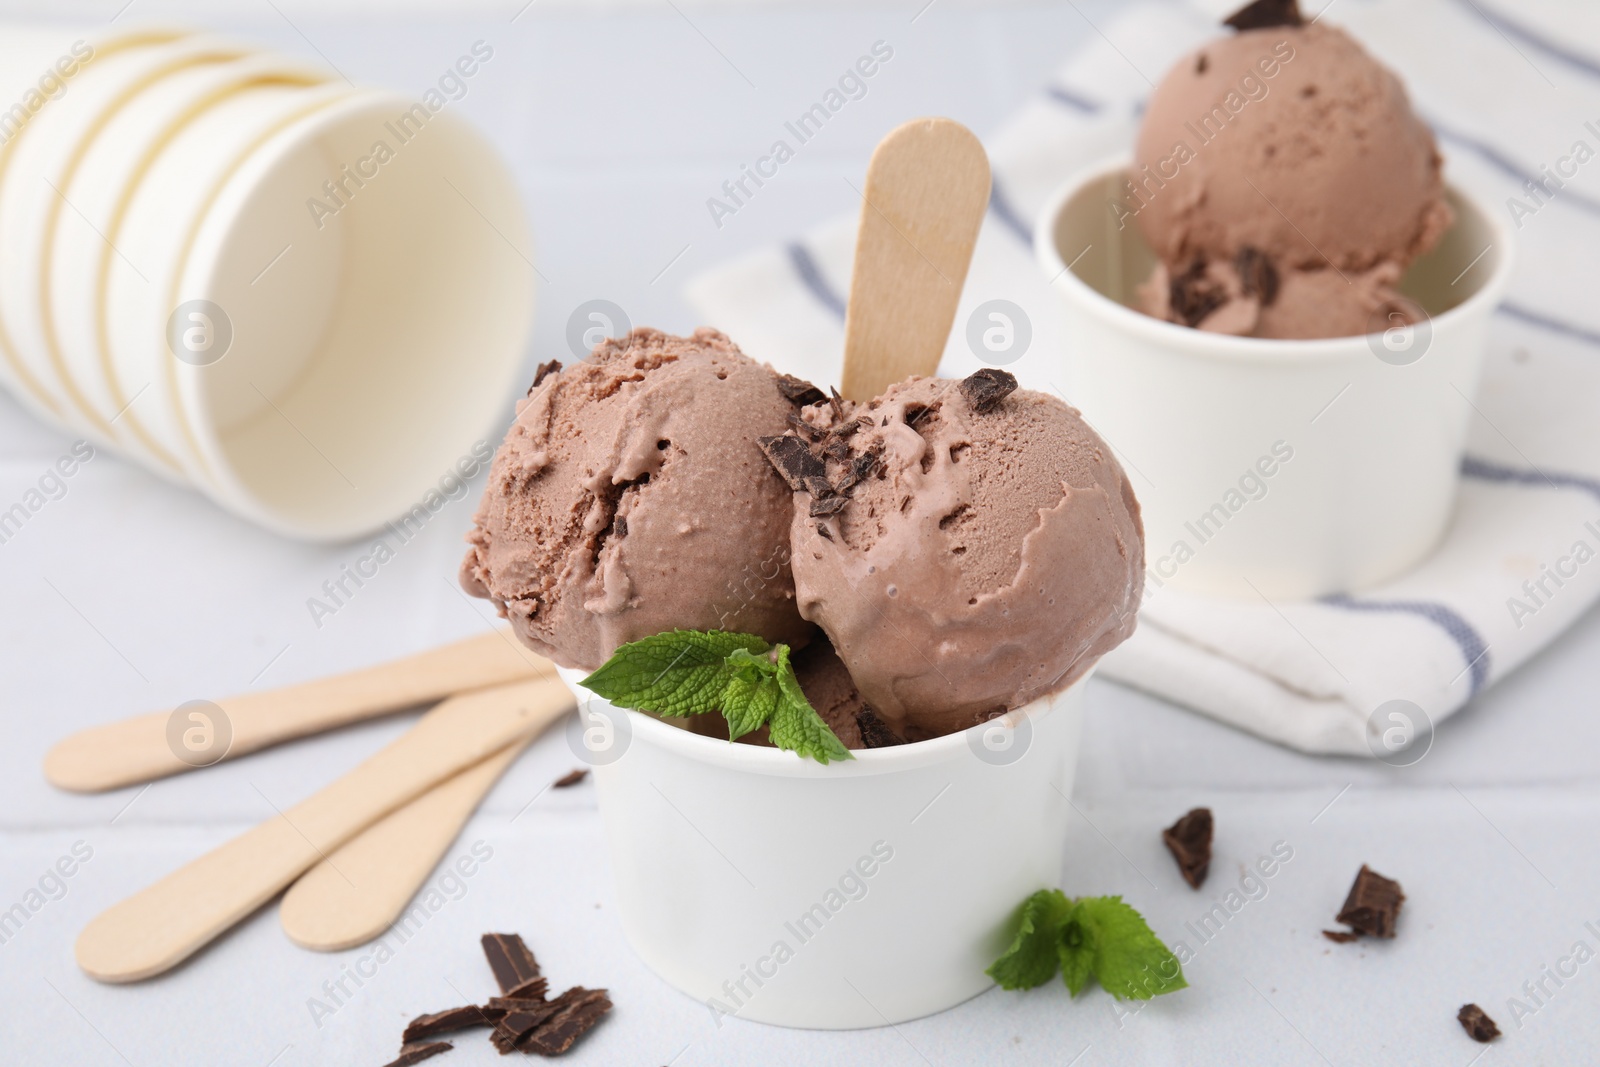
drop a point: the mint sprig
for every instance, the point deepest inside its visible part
(748, 680)
(1099, 937)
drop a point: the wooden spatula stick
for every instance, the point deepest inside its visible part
(160, 926)
(923, 203)
(142, 748)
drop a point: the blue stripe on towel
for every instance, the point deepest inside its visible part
(1540, 319)
(1473, 648)
(1487, 471)
(1533, 39)
(1002, 209)
(1073, 100)
(811, 274)
(1512, 169)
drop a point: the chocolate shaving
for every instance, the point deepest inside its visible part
(875, 733)
(571, 778)
(838, 404)
(1341, 937)
(517, 1025)
(804, 428)
(1373, 904)
(544, 371)
(819, 486)
(798, 391)
(1201, 64)
(510, 960)
(1476, 1022)
(823, 507)
(443, 1022)
(985, 389)
(861, 469)
(580, 1009)
(1193, 296)
(532, 989)
(619, 526)
(836, 449)
(1264, 13)
(1257, 276)
(849, 429)
(791, 458)
(1189, 841)
(822, 528)
(410, 1053)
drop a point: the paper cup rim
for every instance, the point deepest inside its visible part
(761, 761)
(1229, 346)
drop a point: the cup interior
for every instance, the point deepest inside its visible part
(371, 264)
(1113, 259)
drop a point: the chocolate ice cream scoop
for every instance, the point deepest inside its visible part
(1283, 152)
(629, 498)
(967, 547)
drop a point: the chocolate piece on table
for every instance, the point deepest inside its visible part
(509, 959)
(522, 1022)
(1373, 904)
(1189, 841)
(442, 1022)
(520, 996)
(571, 778)
(416, 1053)
(1341, 937)
(1476, 1022)
(985, 389)
(793, 459)
(580, 1009)
(1264, 13)
(545, 369)
(798, 391)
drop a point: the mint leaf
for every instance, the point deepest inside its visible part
(1075, 949)
(1129, 960)
(1091, 937)
(796, 725)
(1032, 958)
(681, 672)
(753, 692)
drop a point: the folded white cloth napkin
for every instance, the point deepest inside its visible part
(1510, 99)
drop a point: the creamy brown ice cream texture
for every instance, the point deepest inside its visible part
(966, 548)
(629, 498)
(1285, 182)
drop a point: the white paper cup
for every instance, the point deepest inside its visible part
(39, 170)
(367, 359)
(857, 894)
(1268, 468)
(209, 98)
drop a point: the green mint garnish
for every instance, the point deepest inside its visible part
(692, 672)
(1099, 937)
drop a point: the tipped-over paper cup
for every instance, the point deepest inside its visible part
(861, 893)
(1275, 468)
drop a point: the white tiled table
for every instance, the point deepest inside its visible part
(128, 594)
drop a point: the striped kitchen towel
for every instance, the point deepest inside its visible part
(1514, 95)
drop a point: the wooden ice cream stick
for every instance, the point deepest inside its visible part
(166, 742)
(160, 926)
(359, 891)
(926, 192)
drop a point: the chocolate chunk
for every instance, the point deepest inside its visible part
(619, 526)
(1373, 904)
(875, 733)
(572, 777)
(509, 959)
(1201, 64)
(850, 428)
(823, 507)
(1477, 1024)
(1257, 276)
(985, 389)
(791, 458)
(836, 449)
(518, 1024)
(822, 528)
(1264, 13)
(798, 391)
(1189, 841)
(804, 428)
(443, 1022)
(544, 371)
(580, 1009)
(410, 1054)
(860, 469)
(1193, 296)
(819, 486)
(1341, 937)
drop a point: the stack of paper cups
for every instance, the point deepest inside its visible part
(306, 300)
